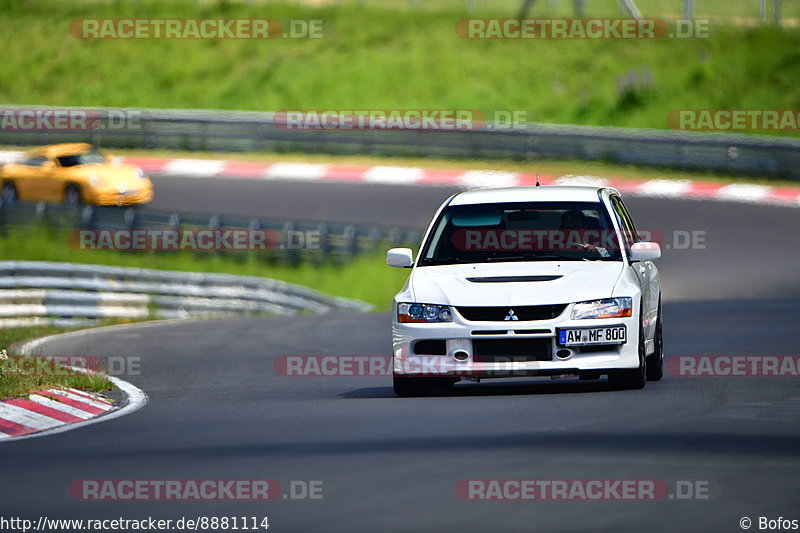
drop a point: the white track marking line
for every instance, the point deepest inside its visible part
(194, 168)
(475, 179)
(393, 175)
(572, 179)
(667, 188)
(28, 418)
(296, 171)
(58, 406)
(747, 192)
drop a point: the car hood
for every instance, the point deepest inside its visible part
(546, 282)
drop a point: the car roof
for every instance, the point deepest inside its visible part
(57, 150)
(545, 193)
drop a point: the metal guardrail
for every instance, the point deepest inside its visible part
(39, 292)
(254, 131)
(333, 242)
(71, 294)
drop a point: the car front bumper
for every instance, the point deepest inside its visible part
(141, 196)
(471, 340)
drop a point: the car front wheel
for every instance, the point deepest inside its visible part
(655, 361)
(72, 196)
(635, 378)
(8, 193)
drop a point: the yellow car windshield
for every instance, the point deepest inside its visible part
(87, 158)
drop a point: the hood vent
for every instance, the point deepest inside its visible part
(512, 279)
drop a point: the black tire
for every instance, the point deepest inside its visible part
(408, 387)
(8, 193)
(72, 196)
(635, 378)
(655, 361)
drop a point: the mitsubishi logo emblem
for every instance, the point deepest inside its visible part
(511, 315)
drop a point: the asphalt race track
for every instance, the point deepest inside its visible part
(218, 410)
(354, 203)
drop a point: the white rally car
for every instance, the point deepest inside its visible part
(528, 281)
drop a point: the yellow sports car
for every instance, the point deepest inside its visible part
(73, 173)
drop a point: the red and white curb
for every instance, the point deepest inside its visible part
(461, 179)
(59, 409)
(49, 409)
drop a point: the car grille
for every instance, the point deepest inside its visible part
(522, 312)
(510, 350)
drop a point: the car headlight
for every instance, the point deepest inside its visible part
(413, 312)
(607, 308)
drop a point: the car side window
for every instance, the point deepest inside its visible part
(629, 220)
(624, 221)
(35, 161)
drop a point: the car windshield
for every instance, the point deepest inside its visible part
(523, 231)
(86, 158)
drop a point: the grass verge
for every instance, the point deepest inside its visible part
(21, 374)
(384, 57)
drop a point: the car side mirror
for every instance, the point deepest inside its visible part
(645, 251)
(400, 257)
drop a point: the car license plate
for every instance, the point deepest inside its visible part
(590, 336)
